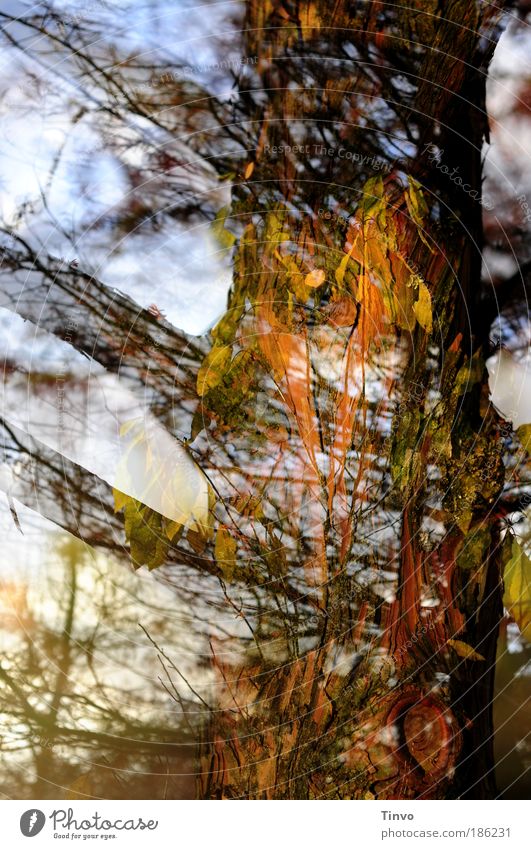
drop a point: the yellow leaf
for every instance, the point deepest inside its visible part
(422, 308)
(213, 368)
(469, 374)
(315, 278)
(373, 200)
(120, 500)
(517, 582)
(274, 232)
(464, 650)
(524, 435)
(143, 528)
(248, 505)
(225, 552)
(224, 237)
(342, 267)
(295, 277)
(171, 529)
(248, 170)
(416, 197)
(417, 209)
(464, 519)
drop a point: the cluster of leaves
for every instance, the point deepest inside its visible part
(148, 533)
(371, 284)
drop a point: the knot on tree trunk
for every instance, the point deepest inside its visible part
(426, 745)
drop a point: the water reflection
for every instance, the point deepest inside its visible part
(87, 707)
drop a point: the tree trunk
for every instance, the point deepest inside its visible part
(348, 376)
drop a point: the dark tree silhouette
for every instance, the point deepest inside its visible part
(340, 408)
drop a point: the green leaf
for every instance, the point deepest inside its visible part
(517, 582)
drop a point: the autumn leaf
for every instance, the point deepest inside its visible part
(469, 374)
(156, 470)
(120, 500)
(225, 552)
(249, 505)
(373, 200)
(464, 650)
(376, 247)
(422, 308)
(417, 208)
(223, 236)
(402, 294)
(173, 530)
(287, 355)
(248, 170)
(524, 435)
(295, 277)
(342, 268)
(517, 582)
(148, 544)
(148, 533)
(213, 368)
(372, 310)
(341, 312)
(315, 278)
(274, 232)
(416, 199)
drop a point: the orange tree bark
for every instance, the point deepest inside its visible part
(345, 399)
